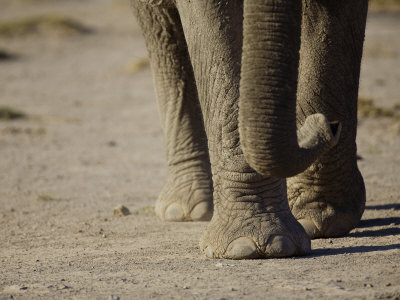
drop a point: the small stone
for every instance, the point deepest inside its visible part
(185, 287)
(65, 287)
(104, 236)
(368, 285)
(121, 210)
(307, 289)
(114, 297)
(388, 284)
(219, 265)
(233, 289)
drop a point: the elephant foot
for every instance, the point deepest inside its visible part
(327, 206)
(188, 201)
(335, 227)
(262, 235)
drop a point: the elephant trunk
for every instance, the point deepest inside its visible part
(270, 141)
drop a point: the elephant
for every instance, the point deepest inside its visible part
(258, 105)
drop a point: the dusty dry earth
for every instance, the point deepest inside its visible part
(91, 140)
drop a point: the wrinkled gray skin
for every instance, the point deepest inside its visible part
(229, 75)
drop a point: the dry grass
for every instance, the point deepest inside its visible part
(385, 4)
(47, 198)
(59, 25)
(5, 55)
(367, 108)
(7, 114)
(137, 65)
(145, 210)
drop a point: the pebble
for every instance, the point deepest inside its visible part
(121, 210)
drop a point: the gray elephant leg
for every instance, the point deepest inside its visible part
(251, 213)
(329, 197)
(187, 194)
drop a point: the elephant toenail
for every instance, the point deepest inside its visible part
(202, 211)
(310, 228)
(208, 252)
(242, 248)
(338, 227)
(280, 246)
(173, 213)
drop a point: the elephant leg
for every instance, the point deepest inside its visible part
(187, 194)
(251, 213)
(328, 199)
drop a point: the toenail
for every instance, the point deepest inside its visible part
(173, 213)
(310, 228)
(242, 248)
(202, 211)
(280, 246)
(338, 227)
(208, 252)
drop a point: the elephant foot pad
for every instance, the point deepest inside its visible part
(192, 202)
(267, 236)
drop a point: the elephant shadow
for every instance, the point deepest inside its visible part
(349, 250)
(371, 231)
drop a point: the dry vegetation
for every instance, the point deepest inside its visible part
(5, 55)
(138, 64)
(47, 197)
(56, 24)
(367, 108)
(385, 4)
(7, 113)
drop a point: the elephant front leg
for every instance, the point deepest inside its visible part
(187, 194)
(329, 197)
(251, 213)
(252, 218)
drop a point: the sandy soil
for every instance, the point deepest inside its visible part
(92, 140)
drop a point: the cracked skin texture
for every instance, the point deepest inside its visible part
(245, 103)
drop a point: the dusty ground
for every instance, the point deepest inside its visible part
(92, 140)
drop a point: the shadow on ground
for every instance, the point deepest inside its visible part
(349, 250)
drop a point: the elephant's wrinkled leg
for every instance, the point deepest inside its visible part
(187, 194)
(329, 197)
(251, 214)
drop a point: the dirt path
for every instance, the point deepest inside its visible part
(92, 140)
